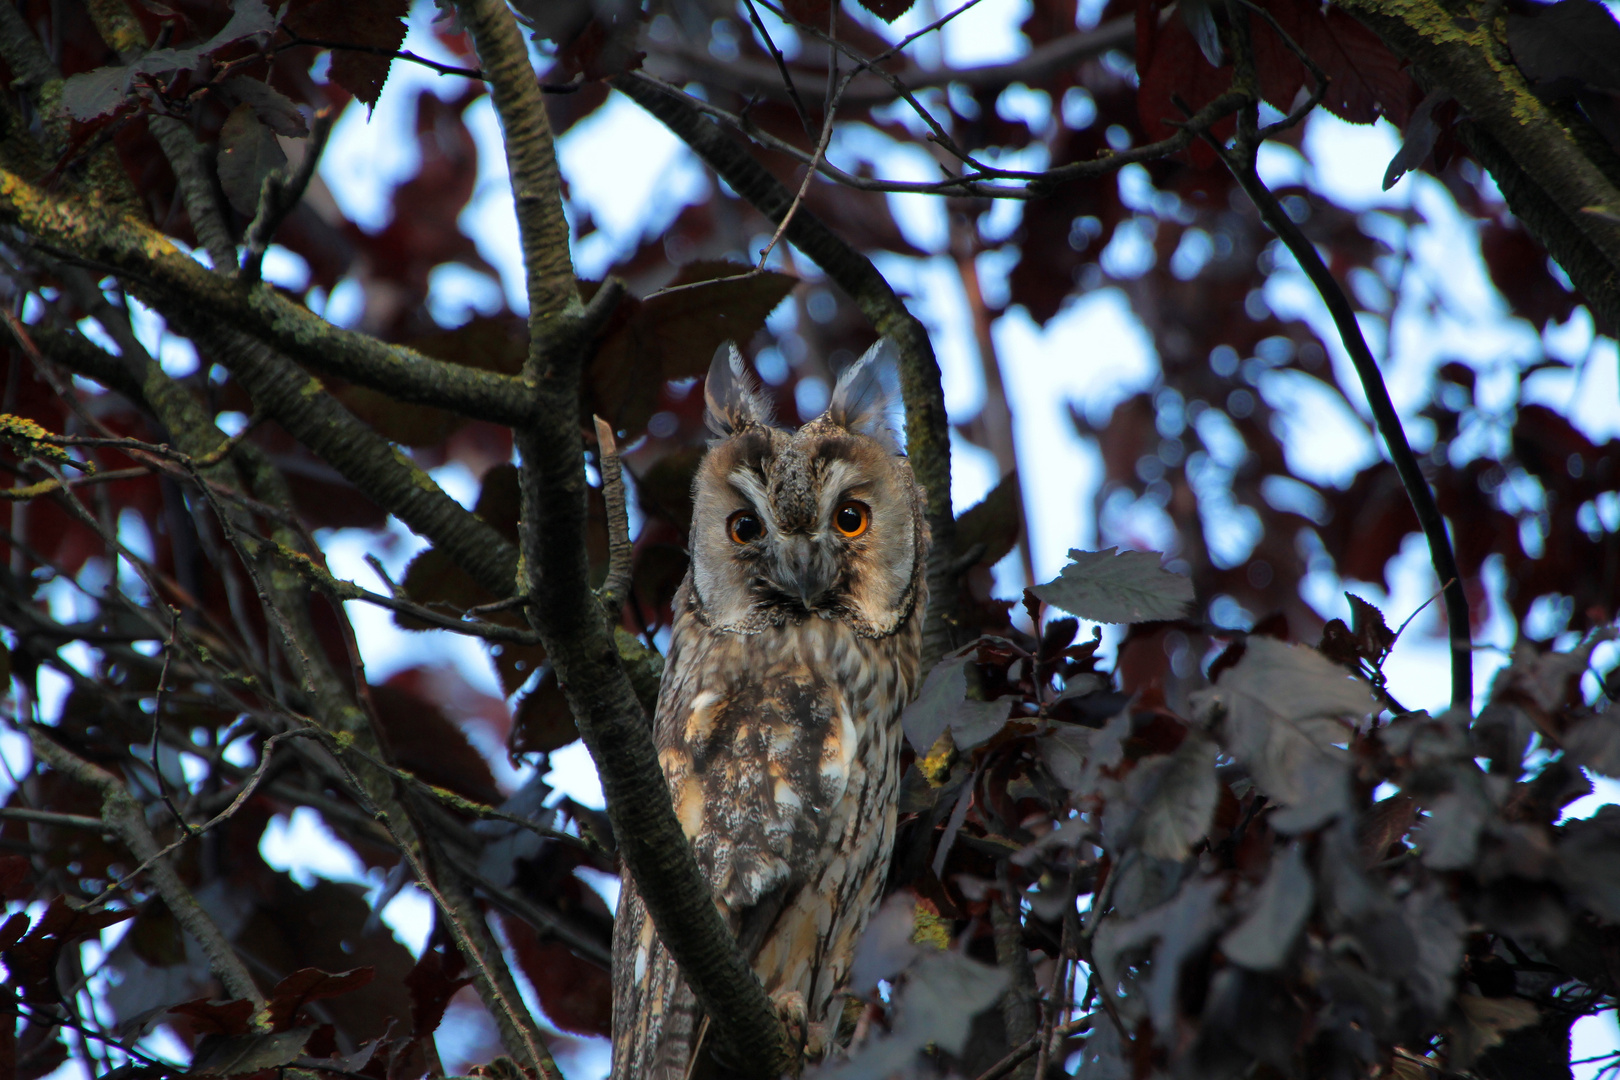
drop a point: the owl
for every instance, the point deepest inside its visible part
(795, 646)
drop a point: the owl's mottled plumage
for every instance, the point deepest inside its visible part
(793, 652)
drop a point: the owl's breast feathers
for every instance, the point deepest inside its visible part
(775, 742)
(781, 749)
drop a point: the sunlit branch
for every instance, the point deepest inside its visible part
(178, 286)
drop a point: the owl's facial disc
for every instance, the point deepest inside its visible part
(802, 567)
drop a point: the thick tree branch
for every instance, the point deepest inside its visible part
(1547, 161)
(178, 286)
(563, 609)
(531, 161)
(927, 427)
(315, 418)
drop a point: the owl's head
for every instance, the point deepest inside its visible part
(822, 522)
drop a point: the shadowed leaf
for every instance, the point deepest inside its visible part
(1265, 937)
(1167, 801)
(96, 93)
(943, 992)
(1281, 705)
(248, 152)
(1127, 587)
(241, 1054)
(942, 704)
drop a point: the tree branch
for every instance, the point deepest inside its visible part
(315, 418)
(927, 426)
(531, 161)
(179, 287)
(563, 609)
(1548, 162)
(620, 552)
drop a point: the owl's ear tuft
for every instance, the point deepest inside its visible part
(733, 394)
(864, 398)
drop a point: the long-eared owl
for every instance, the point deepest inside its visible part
(795, 646)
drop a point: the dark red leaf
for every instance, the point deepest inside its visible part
(377, 24)
(312, 984)
(576, 995)
(225, 1018)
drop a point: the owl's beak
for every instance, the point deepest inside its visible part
(804, 574)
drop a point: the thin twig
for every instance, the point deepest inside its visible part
(781, 66)
(376, 50)
(47, 817)
(242, 796)
(810, 173)
(126, 817)
(862, 63)
(1319, 78)
(48, 1021)
(157, 722)
(340, 589)
(1419, 610)
(45, 487)
(617, 586)
(1037, 184)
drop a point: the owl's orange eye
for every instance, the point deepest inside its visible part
(852, 518)
(744, 528)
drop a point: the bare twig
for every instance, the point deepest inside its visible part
(48, 817)
(47, 1020)
(1036, 66)
(157, 723)
(617, 586)
(243, 794)
(339, 589)
(1022, 1053)
(376, 50)
(810, 173)
(781, 66)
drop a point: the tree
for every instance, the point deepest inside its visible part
(1282, 867)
